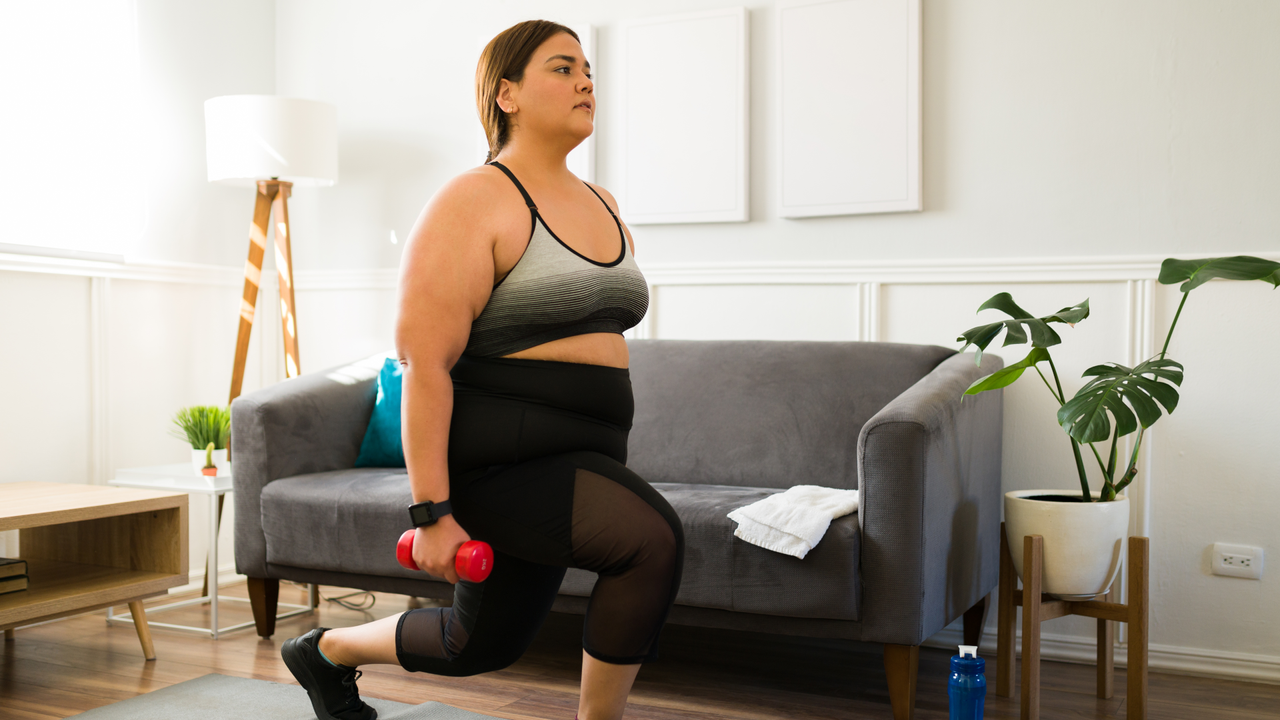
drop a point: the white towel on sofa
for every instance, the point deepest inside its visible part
(792, 522)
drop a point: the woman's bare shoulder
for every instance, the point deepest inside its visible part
(608, 197)
(613, 205)
(479, 189)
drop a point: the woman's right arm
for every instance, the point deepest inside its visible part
(446, 276)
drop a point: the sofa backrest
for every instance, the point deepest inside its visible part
(762, 413)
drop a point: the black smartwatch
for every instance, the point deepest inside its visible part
(427, 513)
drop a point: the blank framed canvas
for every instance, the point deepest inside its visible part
(684, 120)
(849, 107)
(582, 159)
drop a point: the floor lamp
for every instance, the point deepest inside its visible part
(269, 143)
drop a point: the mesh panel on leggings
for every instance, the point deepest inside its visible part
(630, 545)
(431, 632)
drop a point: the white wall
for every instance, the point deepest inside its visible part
(190, 52)
(1050, 129)
(1067, 148)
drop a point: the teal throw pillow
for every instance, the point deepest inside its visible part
(381, 446)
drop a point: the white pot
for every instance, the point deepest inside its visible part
(1083, 542)
(219, 461)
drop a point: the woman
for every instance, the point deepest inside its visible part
(517, 403)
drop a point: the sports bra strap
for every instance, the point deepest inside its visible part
(606, 205)
(527, 200)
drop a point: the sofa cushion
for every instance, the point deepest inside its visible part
(349, 520)
(762, 413)
(342, 520)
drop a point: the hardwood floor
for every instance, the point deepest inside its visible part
(73, 665)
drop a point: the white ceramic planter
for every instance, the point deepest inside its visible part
(1083, 542)
(219, 461)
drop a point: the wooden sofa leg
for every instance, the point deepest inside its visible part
(900, 665)
(264, 594)
(975, 619)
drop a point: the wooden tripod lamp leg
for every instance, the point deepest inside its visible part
(284, 265)
(252, 277)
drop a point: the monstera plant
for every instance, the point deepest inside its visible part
(1115, 402)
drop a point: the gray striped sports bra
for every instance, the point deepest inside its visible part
(555, 292)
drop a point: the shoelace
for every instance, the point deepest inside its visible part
(353, 694)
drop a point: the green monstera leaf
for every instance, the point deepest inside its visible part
(1007, 375)
(1130, 395)
(1194, 273)
(1042, 336)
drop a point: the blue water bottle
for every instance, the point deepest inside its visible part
(968, 684)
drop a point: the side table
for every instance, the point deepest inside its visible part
(1038, 607)
(180, 477)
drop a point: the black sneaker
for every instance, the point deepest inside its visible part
(332, 689)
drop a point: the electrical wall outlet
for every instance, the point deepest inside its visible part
(1237, 561)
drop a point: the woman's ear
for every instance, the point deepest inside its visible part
(506, 95)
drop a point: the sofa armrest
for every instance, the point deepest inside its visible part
(929, 475)
(306, 424)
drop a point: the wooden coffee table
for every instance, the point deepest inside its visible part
(89, 547)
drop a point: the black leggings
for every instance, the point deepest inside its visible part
(536, 469)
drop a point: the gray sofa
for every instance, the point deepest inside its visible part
(718, 425)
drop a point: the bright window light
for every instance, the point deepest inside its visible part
(70, 136)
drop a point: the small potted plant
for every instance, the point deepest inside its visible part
(201, 426)
(1085, 532)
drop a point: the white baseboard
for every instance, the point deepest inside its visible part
(1166, 658)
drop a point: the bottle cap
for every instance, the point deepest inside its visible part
(968, 662)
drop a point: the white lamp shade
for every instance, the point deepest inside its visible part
(258, 137)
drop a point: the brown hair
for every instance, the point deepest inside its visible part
(505, 57)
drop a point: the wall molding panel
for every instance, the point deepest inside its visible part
(99, 376)
(1114, 268)
(869, 311)
(861, 152)
(920, 272)
(688, 166)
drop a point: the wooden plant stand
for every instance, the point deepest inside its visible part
(1047, 607)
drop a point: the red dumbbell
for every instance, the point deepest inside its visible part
(473, 563)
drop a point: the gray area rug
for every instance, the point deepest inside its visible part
(222, 697)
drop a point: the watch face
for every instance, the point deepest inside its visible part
(421, 515)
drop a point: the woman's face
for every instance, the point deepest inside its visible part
(557, 96)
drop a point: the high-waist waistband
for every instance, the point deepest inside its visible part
(597, 391)
(534, 363)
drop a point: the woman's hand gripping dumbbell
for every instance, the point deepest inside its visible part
(473, 561)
